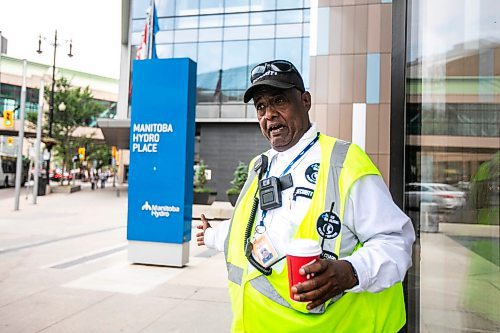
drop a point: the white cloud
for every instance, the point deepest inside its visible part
(93, 25)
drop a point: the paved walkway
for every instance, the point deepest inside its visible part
(64, 268)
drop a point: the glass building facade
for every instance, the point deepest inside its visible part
(226, 39)
(452, 167)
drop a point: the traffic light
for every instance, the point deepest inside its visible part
(81, 153)
(8, 118)
(113, 151)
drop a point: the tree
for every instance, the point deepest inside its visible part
(81, 108)
(240, 177)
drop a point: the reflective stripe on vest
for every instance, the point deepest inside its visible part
(262, 285)
(337, 157)
(234, 273)
(253, 294)
(332, 194)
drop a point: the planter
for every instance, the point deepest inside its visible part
(204, 198)
(233, 198)
(65, 189)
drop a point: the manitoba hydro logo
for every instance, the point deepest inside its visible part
(159, 211)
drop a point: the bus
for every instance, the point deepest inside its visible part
(7, 170)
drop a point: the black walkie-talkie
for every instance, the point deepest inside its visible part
(261, 165)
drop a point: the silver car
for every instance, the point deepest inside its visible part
(445, 196)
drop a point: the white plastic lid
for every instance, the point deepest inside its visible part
(304, 248)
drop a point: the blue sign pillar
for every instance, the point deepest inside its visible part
(160, 190)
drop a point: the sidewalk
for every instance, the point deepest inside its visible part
(64, 268)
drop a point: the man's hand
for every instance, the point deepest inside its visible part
(200, 237)
(328, 279)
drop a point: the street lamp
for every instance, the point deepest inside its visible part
(50, 143)
(62, 107)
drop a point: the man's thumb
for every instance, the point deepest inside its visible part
(205, 222)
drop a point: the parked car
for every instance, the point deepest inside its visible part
(64, 176)
(447, 197)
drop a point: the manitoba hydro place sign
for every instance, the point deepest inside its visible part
(160, 190)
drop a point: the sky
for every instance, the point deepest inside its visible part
(93, 25)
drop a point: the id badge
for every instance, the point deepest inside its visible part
(263, 250)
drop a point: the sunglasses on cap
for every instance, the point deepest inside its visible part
(280, 66)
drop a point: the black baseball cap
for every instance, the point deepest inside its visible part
(280, 74)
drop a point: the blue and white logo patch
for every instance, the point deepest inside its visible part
(303, 192)
(312, 173)
(328, 225)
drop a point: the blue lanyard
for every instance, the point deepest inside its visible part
(309, 146)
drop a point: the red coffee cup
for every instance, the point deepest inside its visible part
(300, 253)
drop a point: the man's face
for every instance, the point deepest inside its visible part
(283, 115)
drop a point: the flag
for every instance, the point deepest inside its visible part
(147, 46)
(154, 28)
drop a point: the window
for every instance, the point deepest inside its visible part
(290, 49)
(260, 50)
(185, 50)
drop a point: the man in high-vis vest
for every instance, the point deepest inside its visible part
(311, 186)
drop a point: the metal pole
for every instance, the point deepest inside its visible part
(19, 166)
(74, 174)
(38, 141)
(51, 107)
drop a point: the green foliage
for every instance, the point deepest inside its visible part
(199, 177)
(80, 109)
(240, 177)
(99, 152)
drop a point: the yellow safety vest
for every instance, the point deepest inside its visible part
(262, 303)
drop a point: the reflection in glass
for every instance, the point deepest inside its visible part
(138, 25)
(307, 14)
(207, 21)
(234, 76)
(288, 30)
(289, 16)
(211, 6)
(187, 22)
(209, 72)
(226, 38)
(139, 8)
(164, 51)
(257, 5)
(182, 36)
(260, 51)
(165, 37)
(290, 49)
(236, 19)
(209, 34)
(236, 33)
(187, 50)
(237, 6)
(165, 7)
(262, 31)
(187, 7)
(285, 4)
(166, 23)
(453, 176)
(263, 18)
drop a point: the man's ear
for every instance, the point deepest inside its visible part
(306, 100)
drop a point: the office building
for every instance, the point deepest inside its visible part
(416, 83)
